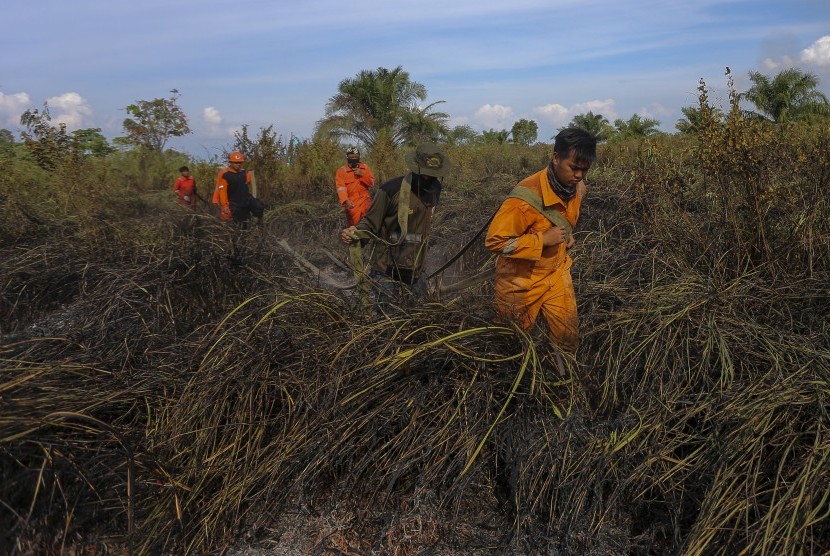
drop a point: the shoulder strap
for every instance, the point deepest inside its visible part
(534, 200)
(403, 204)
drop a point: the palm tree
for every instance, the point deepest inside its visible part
(493, 136)
(424, 124)
(382, 103)
(595, 124)
(693, 119)
(636, 126)
(790, 95)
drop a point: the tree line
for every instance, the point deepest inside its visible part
(385, 109)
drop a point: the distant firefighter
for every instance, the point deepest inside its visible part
(353, 181)
(233, 193)
(185, 188)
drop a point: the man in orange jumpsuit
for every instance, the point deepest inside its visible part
(185, 187)
(233, 193)
(532, 232)
(353, 181)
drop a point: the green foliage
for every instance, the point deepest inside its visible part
(494, 163)
(493, 136)
(636, 126)
(692, 122)
(463, 135)
(48, 144)
(595, 124)
(267, 156)
(524, 132)
(91, 141)
(382, 102)
(789, 96)
(155, 121)
(313, 167)
(146, 170)
(757, 193)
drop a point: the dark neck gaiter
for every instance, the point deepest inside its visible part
(565, 193)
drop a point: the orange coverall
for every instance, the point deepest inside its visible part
(223, 197)
(529, 277)
(184, 187)
(354, 189)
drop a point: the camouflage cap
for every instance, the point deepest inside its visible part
(428, 160)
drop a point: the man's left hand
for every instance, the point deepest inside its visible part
(347, 235)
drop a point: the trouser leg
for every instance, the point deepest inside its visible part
(559, 309)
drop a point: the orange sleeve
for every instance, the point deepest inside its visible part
(340, 185)
(510, 232)
(368, 178)
(177, 185)
(220, 194)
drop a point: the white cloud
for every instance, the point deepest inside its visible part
(213, 119)
(555, 114)
(212, 116)
(558, 115)
(69, 108)
(494, 116)
(654, 111)
(770, 64)
(12, 106)
(817, 53)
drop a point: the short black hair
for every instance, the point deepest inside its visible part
(578, 140)
(184, 169)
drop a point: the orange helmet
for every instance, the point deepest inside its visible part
(236, 156)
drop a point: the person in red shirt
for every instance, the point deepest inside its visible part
(185, 188)
(353, 181)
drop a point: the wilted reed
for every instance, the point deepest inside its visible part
(176, 385)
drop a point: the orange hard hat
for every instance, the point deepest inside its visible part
(236, 156)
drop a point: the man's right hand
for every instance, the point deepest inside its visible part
(348, 204)
(553, 236)
(347, 235)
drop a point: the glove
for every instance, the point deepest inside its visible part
(225, 213)
(186, 199)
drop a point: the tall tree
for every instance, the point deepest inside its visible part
(790, 95)
(382, 103)
(91, 141)
(595, 124)
(636, 126)
(48, 144)
(463, 135)
(524, 132)
(155, 121)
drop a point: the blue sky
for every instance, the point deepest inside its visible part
(277, 63)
